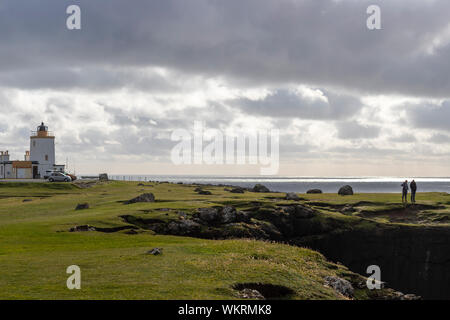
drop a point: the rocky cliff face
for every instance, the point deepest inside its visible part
(411, 259)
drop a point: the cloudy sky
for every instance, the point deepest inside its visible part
(347, 100)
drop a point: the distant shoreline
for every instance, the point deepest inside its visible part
(301, 185)
(292, 184)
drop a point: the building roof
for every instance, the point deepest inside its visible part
(19, 161)
(21, 164)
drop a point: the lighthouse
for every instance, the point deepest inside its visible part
(42, 150)
(38, 163)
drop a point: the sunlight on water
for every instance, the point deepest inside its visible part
(302, 184)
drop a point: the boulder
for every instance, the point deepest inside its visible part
(237, 190)
(181, 214)
(85, 227)
(242, 216)
(250, 294)
(103, 177)
(411, 296)
(204, 192)
(260, 188)
(27, 200)
(397, 295)
(208, 215)
(183, 227)
(347, 209)
(228, 215)
(304, 212)
(224, 215)
(342, 286)
(145, 197)
(82, 206)
(292, 196)
(314, 191)
(290, 209)
(155, 251)
(345, 191)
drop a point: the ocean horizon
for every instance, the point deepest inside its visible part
(303, 184)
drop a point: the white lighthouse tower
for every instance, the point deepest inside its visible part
(42, 150)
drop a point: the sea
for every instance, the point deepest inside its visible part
(303, 184)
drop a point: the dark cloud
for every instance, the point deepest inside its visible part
(194, 60)
(319, 42)
(440, 138)
(354, 130)
(142, 142)
(285, 103)
(430, 116)
(88, 78)
(404, 138)
(214, 115)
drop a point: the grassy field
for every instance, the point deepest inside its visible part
(36, 246)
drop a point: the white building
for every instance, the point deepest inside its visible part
(42, 149)
(37, 163)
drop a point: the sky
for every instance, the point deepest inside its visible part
(347, 101)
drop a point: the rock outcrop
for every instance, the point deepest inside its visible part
(346, 191)
(85, 227)
(423, 250)
(342, 286)
(217, 215)
(314, 191)
(204, 192)
(183, 227)
(292, 196)
(250, 294)
(278, 223)
(82, 206)
(260, 188)
(155, 251)
(347, 209)
(145, 197)
(237, 190)
(228, 215)
(411, 259)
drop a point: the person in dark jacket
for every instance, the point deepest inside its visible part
(405, 191)
(413, 187)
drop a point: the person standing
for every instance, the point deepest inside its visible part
(413, 187)
(405, 191)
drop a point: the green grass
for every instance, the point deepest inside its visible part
(377, 207)
(36, 247)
